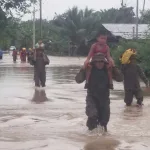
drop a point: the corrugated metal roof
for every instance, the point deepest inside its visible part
(128, 30)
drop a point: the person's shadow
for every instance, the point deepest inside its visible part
(101, 143)
(39, 97)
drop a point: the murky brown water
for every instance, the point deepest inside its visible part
(54, 118)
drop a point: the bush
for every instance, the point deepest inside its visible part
(143, 52)
(57, 48)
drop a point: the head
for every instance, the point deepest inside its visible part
(134, 50)
(24, 49)
(99, 64)
(102, 37)
(40, 42)
(133, 58)
(99, 61)
(30, 49)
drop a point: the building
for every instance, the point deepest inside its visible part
(128, 31)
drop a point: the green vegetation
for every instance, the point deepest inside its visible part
(9, 26)
(143, 53)
(74, 28)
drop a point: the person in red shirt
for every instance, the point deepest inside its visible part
(101, 47)
(23, 55)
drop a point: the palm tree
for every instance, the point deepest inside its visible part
(78, 25)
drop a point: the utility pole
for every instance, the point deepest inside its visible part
(143, 5)
(40, 19)
(34, 26)
(137, 18)
(122, 3)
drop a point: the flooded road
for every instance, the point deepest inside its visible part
(54, 118)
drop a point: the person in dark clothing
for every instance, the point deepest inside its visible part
(1, 54)
(14, 54)
(97, 100)
(29, 54)
(39, 60)
(132, 72)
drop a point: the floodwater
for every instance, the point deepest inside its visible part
(54, 118)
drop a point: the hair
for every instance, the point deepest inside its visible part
(102, 32)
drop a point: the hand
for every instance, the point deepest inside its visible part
(88, 66)
(111, 63)
(86, 63)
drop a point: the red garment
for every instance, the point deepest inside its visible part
(23, 56)
(97, 48)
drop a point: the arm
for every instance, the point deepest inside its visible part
(46, 59)
(32, 61)
(109, 58)
(142, 76)
(108, 54)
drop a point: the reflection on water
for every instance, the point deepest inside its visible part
(102, 143)
(39, 96)
(64, 74)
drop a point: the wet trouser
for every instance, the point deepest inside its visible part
(14, 58)
(98, 113)
(39, 78)
(29, 58)
(129, 94)
(23, 58)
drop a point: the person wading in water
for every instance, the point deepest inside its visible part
(14, 54)
(39, 61)
(132, 72)
(97, 100)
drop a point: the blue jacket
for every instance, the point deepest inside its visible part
(1, 53)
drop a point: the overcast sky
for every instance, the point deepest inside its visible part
(50, 7)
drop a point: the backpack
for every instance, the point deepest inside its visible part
(125, 57)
